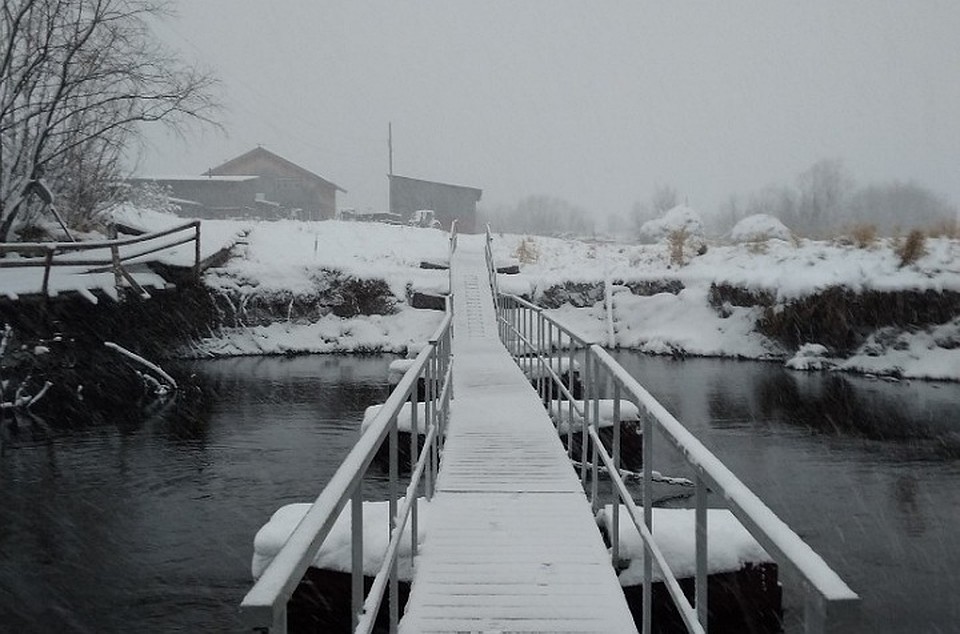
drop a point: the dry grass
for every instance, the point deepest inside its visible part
(757, 247)
(864, 235)
(912, 248)
(527, 251)
(676, 240)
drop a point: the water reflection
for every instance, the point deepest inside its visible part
(866, 471)
(147, 525)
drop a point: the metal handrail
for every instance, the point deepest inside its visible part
(264, 608)
(533, 337)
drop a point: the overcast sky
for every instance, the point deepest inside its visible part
(593, 102)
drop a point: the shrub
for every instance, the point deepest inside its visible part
(912, 248)
(676, 239)
(527, 251)
(864, 235)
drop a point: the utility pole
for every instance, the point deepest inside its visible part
(390, 173)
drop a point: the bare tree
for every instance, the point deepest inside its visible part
(77, 79)
(824, 188)
(896, 205)
(663, 199)
(540, 215)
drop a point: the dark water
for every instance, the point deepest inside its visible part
(866, 471)
(147, 525)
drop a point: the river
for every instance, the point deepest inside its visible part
(147, 525)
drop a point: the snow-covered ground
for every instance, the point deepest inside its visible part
(280, 260)
(290, 258)
(686, 324)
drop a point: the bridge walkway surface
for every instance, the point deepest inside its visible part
(513, 545)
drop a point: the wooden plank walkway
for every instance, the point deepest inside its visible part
(513, 546)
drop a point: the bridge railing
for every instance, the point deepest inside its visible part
(100, 255)
(554, 354)
(264, 608)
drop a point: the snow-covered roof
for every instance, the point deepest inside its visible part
(182, 177)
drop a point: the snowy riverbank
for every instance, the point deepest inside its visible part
(721, 303)
(301, 287)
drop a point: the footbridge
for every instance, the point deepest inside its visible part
(513, 544)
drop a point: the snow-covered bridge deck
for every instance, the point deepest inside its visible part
(513, 544)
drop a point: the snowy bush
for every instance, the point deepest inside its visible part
(679, 218)
(759, 227)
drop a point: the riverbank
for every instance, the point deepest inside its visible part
(293, 287)
(812, 304)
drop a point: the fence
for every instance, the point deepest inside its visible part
(545, 348)
(101, 255)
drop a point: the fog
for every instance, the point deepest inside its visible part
(596, 104)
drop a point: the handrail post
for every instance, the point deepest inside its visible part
(541, 374)
(356, 552)
(428, 421)
(414, 456)
(615, 537)
(196, 252)
(392, 498)
(587, 380)
(701, 551)
(571, 354)
(647, 519)
(549, 386)
(595, 423)
(47, 264)
(117, 275)
(515, 324)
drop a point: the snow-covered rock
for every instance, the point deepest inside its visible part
(730, 545)
(811, 356)
(759, 227)
(335, 553)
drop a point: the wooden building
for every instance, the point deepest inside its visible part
(408, 195)
(257, 184)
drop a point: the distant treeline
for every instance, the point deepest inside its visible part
(823, 201)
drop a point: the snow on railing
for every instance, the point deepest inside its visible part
(543, 347)
(264, 608)
(101, 255)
